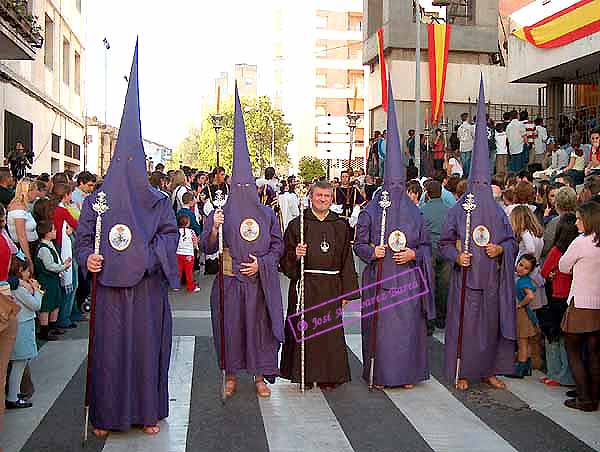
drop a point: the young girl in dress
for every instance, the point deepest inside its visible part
(527, 324)
(188, 243)
(29, 298)
(48, 268)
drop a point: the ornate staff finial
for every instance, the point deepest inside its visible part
(301, 190)
(100, 206)
(384, 201)
(469, 206)
(219, 199)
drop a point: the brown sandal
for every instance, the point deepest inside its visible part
(262, 390)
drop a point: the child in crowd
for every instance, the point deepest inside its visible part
(188, 243)
(454, 165)
(48, 268)
(29, 299)
(189, 209)
(558, 372)
(527, 323)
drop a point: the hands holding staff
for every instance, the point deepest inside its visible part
(301, 250)
(464, 259)
(218, 219)
(379, 252)
(404, 256)
(493, 251)
(94, 263)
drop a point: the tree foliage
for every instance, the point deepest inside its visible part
(198, 149)
(310, 167)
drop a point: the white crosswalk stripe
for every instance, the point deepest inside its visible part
(460, 432)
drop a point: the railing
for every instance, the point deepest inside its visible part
(16, 12)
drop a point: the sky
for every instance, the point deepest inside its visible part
(183, 46)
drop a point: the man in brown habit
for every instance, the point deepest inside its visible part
(329, 273)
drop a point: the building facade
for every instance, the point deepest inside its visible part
(246, 76)
(42, 97)
(320, 78)
(475, 49)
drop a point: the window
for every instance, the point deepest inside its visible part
(66, 61)
(55, 143)
(78, 5)
(49, 43)
(321, 78)
(354, 50)
(71, 150)
(321, 48)
(354, 22)
(320, 108)
(322, 21)
(77, 73)
(16, 130)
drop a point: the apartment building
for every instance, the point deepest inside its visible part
(42, 92)
(317, 77)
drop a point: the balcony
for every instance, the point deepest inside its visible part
(20, 34)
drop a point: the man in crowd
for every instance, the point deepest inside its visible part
(19, 160)
(373, 157)
(208, 196)
(347, 200)
(446, 196)
(329, 274)
(435, 211)
(86, 182)
(489, 319)
(253, 310)
(516, 136)
(6, 187)
(465, 133)
(381, 154)
(540, 141)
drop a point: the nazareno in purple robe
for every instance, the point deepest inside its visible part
(132, 334)
(489, 316)
(253, 305)
(401, 354)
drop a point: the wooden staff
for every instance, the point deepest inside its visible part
(469, 205)
(301, 192)
(219, 203)
(100, 207)
(384, 203)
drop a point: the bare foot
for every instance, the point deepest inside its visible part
(379, 387)
(261, 389)
(495, 382)
(408, 386)
(462, 384)
(100, 433)
(151, 429)
(230, 385)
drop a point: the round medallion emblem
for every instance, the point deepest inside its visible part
(120, 237)
(397, 241)
(481, 235)
(249, 229)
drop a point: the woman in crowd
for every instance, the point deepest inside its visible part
(581, 322)
(438, 150)
(550, 210)
(21, 224)
(575, 168)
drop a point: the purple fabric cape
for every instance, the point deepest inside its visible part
(490, 293)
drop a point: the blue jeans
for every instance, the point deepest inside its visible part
(64, 315)
(466, 162)
(381, 166)
(557, 362)
(516, 162)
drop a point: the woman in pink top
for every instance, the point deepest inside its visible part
(581, 322)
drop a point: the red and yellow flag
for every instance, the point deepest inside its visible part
(439, 43)
(384, 98)
(572, 23)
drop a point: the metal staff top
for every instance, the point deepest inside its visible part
(100, 207)
(219, 202)
(384, 203)
(469, 206)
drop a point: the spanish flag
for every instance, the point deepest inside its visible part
(383, 71)
(439, 43)
(572, 23)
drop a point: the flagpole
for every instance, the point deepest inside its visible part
(417, 86)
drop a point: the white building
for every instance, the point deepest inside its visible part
(318, 56)
(42, 99)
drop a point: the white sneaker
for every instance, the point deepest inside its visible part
(197, 289)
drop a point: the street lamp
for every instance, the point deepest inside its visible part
(352, 119)
(272, 124)
(106, 48)
(217, 122)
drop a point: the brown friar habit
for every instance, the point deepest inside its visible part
(326, 359)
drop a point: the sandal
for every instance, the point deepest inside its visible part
(462, 384)
(262, 390)
(100, 433)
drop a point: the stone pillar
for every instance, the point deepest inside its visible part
(555, 102)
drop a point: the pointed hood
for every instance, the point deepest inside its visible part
(243, 202)
(487, 213)
(403, 215)
(130, 198)
(395, 171)
(480, 173)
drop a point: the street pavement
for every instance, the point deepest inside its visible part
(528, 417)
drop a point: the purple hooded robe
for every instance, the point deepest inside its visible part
(132, 334)
(489, 317)
(401, 353)
(253, 305)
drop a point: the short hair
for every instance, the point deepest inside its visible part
(322, 185)
(523, 115)
(434, 188)
(498, 180)
(452, 183)
(514, 114)
(524, 193)
(592, 183)
(566, 199)
(567, 179)
(159, 167)
(187, 197)
(217, 170)
(412, 172)
(44, 227)
(525, 174)
(464, 116)
(414, 186)
(269, 172)
(529, 258)
(538, 121)
(85, 177)
(60, 178)
(44, 177)
(156, 178)
(5, 175)
(461, 187)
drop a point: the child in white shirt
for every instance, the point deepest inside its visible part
(188, 243)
